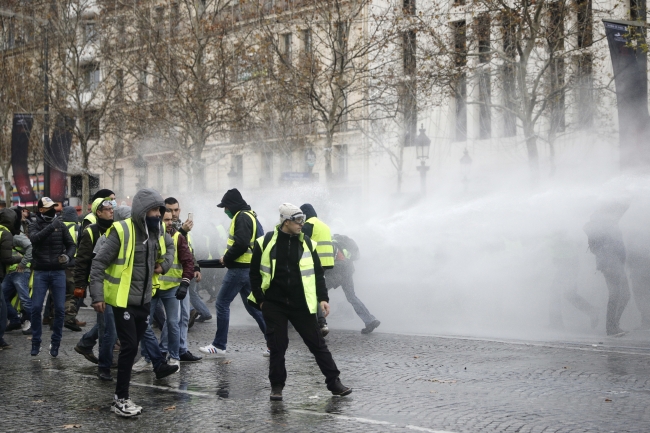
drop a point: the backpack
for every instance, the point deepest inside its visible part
(345, 244)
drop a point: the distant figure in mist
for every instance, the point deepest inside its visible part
(337, 255)
(637, 241)
(606, 243)
(564, 252)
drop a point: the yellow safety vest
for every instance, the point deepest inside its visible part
(174, 276)
(72, 228)
(323, 237)
(117, 277)
(307, 272)
(248, 255)
(91, 217)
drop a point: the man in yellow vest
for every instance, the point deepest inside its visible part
(121, 275)
(91, 218)
(319, 232)
(288, 285)
(244, 229)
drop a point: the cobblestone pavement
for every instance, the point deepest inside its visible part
(401, 384)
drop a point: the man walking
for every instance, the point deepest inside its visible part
(287, 283)
(53, 248)
(104, 329)
(244, 229)
(121, 276)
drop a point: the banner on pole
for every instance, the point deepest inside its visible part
(56, 157)
(20, 132)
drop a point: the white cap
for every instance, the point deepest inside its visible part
(289, 211)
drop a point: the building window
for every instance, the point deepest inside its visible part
(460, 43)
(483, 36)
(306, 41)
(159, 22)
(175, 175)
(160, 177)
(91, 125)
(90, 33)
(174, 18)
(341, 48)
(484, 92)
(118, 183)
(585, 23)
(556, 96)
(236, 173)
(119, 85)
(91, 76)
(285, 47)
(267, 166)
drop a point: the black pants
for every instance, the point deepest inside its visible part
(130, 324)
(619, 295)
(276, 317)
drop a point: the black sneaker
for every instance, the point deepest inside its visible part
(337, 388)
(36, 348)
(72, 325)
(193, 315)
(276, 393)
(370, 327)
(86, 353)
(4, 344)
(54, 350)
(104, 374)
(13, 327)
(165, 370)
(202, 318)
(188, 357)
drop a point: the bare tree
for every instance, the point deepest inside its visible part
(83, 76)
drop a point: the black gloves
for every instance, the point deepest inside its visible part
(182, 290)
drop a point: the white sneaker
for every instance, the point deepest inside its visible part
(125, 407)
(173, 361)
(26, 326)
(140, 366)
(211, 350)
(267, 353)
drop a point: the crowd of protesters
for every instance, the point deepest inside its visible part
(139, 266)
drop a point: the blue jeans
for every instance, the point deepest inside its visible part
(236, 281)
(150, 349)
(105, 327)
(17, 282)
(171, 304)
(55, 281)
(197, 302)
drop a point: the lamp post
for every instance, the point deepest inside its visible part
(140, 171)
(422, 145)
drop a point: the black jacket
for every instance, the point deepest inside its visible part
(49, 241)
(243, 236)
(310, 212)
(286, 286)
(84, 259)
(7, 219)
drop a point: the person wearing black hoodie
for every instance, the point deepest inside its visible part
(244, 229)
(52, 249)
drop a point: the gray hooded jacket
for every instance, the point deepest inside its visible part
(145, 256)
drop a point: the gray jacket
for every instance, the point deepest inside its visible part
(21, 241)
(145, 256)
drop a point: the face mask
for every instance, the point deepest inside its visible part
(49, 215)
(113, 203)
(153, 224)
(227, 212)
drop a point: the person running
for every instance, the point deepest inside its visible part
(288, 284)
(244, 229)
(53, 248)
(121, 276)
(104, 329)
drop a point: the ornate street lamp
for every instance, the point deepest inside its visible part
(422, 146)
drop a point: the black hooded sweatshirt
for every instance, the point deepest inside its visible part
(243, 230)
(309, 212)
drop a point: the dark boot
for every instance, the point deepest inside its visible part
(165, 370)
(87, 353)
(337, 388)
(104, 374)
(36, 348)
(276, 393)
(72, 325)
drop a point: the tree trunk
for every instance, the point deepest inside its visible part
(7, 183)
(328, 157)
(533, 156)
(85, 191)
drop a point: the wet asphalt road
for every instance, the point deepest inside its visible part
(401, 384)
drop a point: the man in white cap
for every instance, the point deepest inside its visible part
(287, 284)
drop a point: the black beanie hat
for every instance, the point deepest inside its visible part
(102, 193)
(232, 199)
